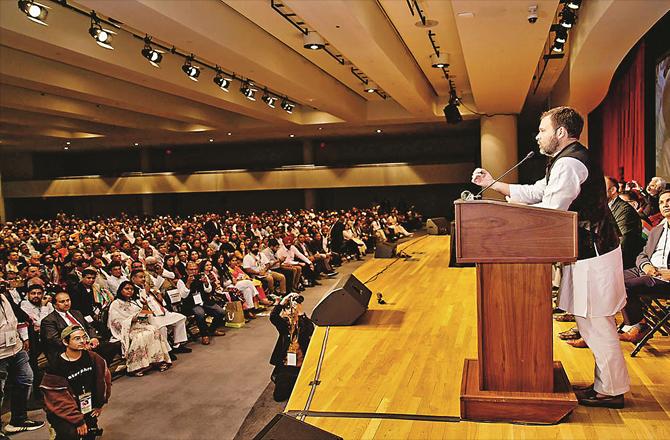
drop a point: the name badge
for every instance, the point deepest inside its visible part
(174, 295)
(291, 359)
(85, 403)
(197, 299)
(88, 319)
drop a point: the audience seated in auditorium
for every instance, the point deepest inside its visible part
(651, 276)
(627, 221)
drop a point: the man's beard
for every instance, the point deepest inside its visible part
(35, 301)
(550, 149)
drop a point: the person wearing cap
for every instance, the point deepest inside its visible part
(76, 387)
(15, 365)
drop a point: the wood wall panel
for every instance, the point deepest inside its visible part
(242, 180)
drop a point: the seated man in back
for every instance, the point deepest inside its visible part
(651, 276)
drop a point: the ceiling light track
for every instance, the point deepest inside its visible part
(566, 20)
(314, 41)
(441, 59)
(153, 51)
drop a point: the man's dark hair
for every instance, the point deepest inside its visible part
(115, 264)
(613, 182)
(566, 117)
(135, 272)
(665, 191)
(273, 242)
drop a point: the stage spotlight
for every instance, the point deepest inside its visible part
(248, 91)
(312, 40)
(574, 4)
(269, 99)
(561, 35)
(153, 55)
(103, 37)
(452, 114)
(370, 87)
(34, 11)
(222, 82)
(193, 72)
(439, 61)
(567, 18)
(287, 106)
(557, 47)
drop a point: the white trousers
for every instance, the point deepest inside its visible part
(178, 331)
(611, 374)
(248, 291)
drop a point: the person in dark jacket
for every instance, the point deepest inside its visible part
(76, 387)
(628, 222)
(295, 331)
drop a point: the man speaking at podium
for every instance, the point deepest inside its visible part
(592, 288)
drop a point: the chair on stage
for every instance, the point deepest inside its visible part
(657, 315)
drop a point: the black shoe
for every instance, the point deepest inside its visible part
(332, 274)
(173, 356)
(614, 402)
(26, 425)
(181, 349)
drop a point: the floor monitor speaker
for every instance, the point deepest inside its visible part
(437, 226)
(344, 304)
(385, 249)
(283, 427)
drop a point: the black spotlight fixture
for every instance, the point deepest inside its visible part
(313, 41)
(103, 37)
(153, 55)
(439, 60)
(248, 91)
(370, 87)
(561, 35)
(221, 81)
(269, 99)
(451, 112)
(287, 106)
(193, 72)
(36, 12)
(574, 4)
(567, 18)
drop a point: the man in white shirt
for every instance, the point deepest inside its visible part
(592, 288)
(257, 265)
(651, 276)
(116, 277)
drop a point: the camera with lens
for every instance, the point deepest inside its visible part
(293, 303)
(94, 432)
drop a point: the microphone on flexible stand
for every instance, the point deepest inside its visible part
(467, 195)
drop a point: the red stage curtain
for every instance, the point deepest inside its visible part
(623, 121)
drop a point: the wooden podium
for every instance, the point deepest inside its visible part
(515, 378)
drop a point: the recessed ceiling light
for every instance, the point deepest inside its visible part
(136, 144)
(466, 14)
(291, 135)
(230, 134)
(320, 128)
(66, 148)
(67, 143)
(379, 130)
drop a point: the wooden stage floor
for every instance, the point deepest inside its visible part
(406, 357)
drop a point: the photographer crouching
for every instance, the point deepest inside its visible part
(75, 388)
(295, 331)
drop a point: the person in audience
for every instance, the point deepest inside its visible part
(37, 307)
(142, 345)
(292, 256)
(650, 276)
(161, 317)
(592, 289)
(256, 265)
(116, 276)
(195, 292)
(76, 386)
(295, 332)
(627, 221)
(238, 274)
(82, 296)
(651, 195)
(15, 366)
(276, 264)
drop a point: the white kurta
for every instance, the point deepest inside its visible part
(589, 288)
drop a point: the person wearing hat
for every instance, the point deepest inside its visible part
(76, 387)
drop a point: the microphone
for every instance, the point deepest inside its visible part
(467, 195)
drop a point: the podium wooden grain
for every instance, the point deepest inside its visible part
(515, 377)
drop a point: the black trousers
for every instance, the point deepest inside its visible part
(68, 431)
(638, 284)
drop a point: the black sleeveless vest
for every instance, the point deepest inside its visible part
(596, 224)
